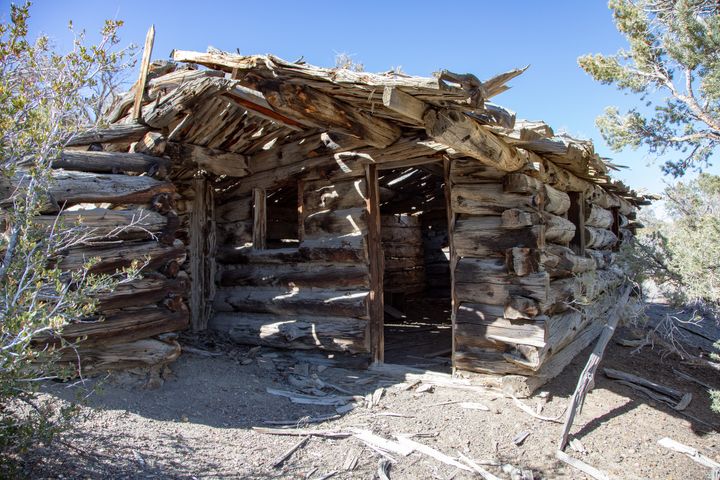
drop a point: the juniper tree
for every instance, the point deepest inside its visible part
(673, 63)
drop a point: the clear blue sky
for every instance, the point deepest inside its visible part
(484, 38)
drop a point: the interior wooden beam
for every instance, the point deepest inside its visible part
(259, 232)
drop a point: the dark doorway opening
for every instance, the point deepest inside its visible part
(417, 283)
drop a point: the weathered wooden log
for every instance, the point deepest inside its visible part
(599, 238)
(518, 332)
(314, 108)
(498, 289)
(521, 183)
(101, 223)
(293, 301)
(471, 240)
(556, 202)
(401, 250)
(240, 209)
(515, 218)
(122, 356)
(488, 269)
(484, 360)
(235, 233)
(298, 274)
(405, 104)
(402, 235)
(153, 143)
(112, 162)
(522, 261)
(469, 171)
(598, 217)
(466, 136)
(490, 199)
(214, 161)
(399, 279)
(328, 253)
(123, 326)
(521, 308)
(558, 229)
(69, 188)
(602, 258)
(170, 108)
(562, 329)
(296, 332)
(111, 258)
(335, 223)
(117, 133)
(322, 196)
(143, 291)
(560, 261)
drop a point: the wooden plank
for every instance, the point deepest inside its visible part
(202, 254)
(259, 218)
(119, 256)
(293, 301)
(299, 274)
(375, 305)
(338, 252)
(312, 331)
(473, 238)
(466, 136)
(144, 69)
(586, 381)
(690, 452)
(404, 104)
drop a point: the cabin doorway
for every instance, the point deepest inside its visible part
(416, 277)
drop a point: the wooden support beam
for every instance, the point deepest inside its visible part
(314, 108)
(144, 68)
(255, 101)
(260, 218)
(122, 132)
(466, 136)
(376, 311)
(212, 160)
(202, 254)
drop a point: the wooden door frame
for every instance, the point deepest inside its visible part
(376, 258)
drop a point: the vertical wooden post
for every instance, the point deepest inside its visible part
(144, 68)
(259, 232)
(453, 255)
(300, 202)
(576, 214)
(376, 308)
(202, 254)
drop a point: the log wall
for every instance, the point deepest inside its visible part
(527, 302)
(402, 243)
(125, 204)
(311, 296)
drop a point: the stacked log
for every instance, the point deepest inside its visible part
(436, 246)
(305, 297)
(122, 205)
(497, 309)
(402, 242)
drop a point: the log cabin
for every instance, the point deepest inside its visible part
(286, 205)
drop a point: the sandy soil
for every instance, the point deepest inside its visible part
(199, 424)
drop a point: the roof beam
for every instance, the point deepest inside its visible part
(312, 107)
(466, 136)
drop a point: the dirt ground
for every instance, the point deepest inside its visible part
(199, 423)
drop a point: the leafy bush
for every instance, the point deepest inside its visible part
(44, 98)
